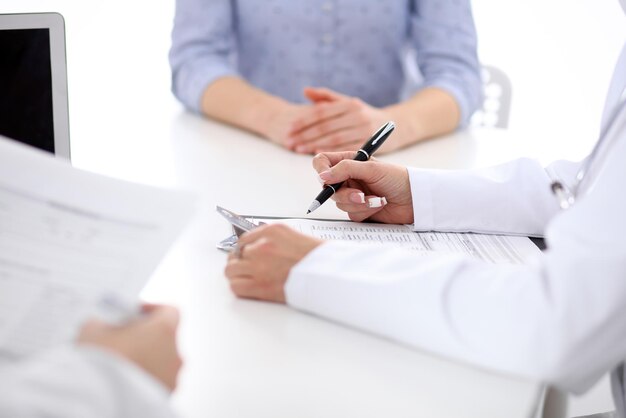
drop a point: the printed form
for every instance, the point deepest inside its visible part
(489, 248)
(68, 238)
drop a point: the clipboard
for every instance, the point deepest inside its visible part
(467, 239)
(244, 223)
(239, 223)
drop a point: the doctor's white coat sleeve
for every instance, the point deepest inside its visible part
(80, 382)
(560, 320)
(513, 198)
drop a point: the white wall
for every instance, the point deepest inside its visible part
(559, 55)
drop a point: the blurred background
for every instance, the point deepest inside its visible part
(559, 55)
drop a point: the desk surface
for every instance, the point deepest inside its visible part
(253, 359)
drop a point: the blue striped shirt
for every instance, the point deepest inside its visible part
(381, 51)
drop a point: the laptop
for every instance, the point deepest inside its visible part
(33, 81)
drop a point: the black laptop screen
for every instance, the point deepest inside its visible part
(26, 87)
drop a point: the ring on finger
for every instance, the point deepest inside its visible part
(238, 252)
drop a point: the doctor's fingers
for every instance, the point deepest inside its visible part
(264, 236)
(354, 199)
(251, 237)
(367, 172)
(238, 268)
(325, 160)
(362, 203)
(243, 287)
(359, 214)
(255, 289)
(259, 257)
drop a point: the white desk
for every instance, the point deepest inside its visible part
(253, 359)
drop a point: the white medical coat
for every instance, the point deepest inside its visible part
(561, 320)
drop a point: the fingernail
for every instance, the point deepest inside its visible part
(376, 202)
(290, 143)
(301, 149)
(326, 176)
(357, 197)
(321, 180)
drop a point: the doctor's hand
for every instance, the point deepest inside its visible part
(266, 255)
(148, 341)
(372, 190)
(337, 122)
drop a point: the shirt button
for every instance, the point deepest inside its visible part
(327, 38)
(327, 6)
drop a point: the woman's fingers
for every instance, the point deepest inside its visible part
(348, 139)
(317, 94)
(318, 113)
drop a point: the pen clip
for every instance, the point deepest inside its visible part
(384, 130)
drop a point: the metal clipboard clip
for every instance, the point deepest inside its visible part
(240, 225)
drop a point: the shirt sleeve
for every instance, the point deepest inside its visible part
(202, 49)
(80, 382)
(513, 198)
(558, 320)
(444, 38)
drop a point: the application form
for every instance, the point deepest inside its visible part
(489, 248)
(68, 238)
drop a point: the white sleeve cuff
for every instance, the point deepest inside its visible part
(423, 216)
(512, 198)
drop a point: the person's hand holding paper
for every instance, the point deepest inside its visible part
(68, 239)
(149, 341)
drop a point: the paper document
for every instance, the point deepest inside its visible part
(68, 238)
(490, 248)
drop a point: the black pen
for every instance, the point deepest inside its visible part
(363, 154)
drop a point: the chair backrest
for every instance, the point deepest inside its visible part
(494, 112)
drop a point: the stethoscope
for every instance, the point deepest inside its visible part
(565, 195)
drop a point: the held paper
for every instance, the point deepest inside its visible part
(68, 238)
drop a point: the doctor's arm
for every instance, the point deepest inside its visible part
(559, 320)
(512, 198)
(112, 372)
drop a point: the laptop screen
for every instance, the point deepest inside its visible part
(26, 87)
(33, 81)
